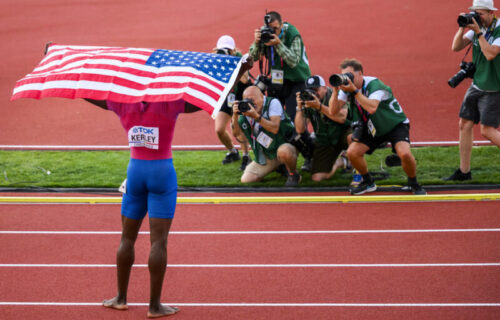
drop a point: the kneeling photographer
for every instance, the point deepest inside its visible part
(266, 126)
(379, 118)
(331, 131)
(481, 103)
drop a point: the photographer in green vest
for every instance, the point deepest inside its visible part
(266, 126)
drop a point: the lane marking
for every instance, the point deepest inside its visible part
(256, 304)
(267, 199)
(278, 232)
(322, 265)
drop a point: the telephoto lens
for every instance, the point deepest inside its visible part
(341, 79)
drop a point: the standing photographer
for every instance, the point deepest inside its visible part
(227, 46)
(332, 131)
(266, 126)
(281, 44)
(482, 100)
(380, 119)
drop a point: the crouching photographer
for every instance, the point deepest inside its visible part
(331, 131)
(481, 103)
(266, 126)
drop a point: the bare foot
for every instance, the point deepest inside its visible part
(163, 311)
(115, 304)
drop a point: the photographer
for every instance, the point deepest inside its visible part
(265, 124)
(380, 119)
(332, 131)
(226, 45)
(482, 100)
(288, 63)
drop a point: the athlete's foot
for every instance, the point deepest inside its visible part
(115, 304)
(162, 311)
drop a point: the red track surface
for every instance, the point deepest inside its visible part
(421, 285)
(404, 42)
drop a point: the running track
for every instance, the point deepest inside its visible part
(412, 260)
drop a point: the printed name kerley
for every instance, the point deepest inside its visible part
(142, 138)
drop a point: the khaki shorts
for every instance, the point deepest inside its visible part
(263, 170)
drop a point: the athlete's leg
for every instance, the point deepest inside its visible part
(124, 261)
(157, 263)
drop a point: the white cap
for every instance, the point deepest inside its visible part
(315, 82)
(482, 5)
(226, 42)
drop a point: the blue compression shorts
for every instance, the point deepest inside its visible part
(151, 187)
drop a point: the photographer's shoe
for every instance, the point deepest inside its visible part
(458, 175)
(363, 187)
(293, 180)
(231, 157)
(307, 166)
(245, 160)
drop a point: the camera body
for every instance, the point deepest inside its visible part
(467, 70)
(262, 82)
(307, 95)
(341, 79)
(245, 105)
(466, 19)
(266, 32)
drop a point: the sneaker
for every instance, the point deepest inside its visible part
(363, 187)
(356, 179)
(307, 166)
(231, 157)
(416, 189)
(459, 175)
(293, 180)
(245, 160)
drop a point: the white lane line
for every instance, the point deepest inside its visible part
(92, 304)
(277, 232)
(322, 265)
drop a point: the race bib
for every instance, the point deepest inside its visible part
(230, 100)
(148, 137)
(371, 128)
(264, 140)
(277, 76)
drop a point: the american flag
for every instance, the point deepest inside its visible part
(130, 75)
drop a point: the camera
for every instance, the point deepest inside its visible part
(466, 19)
(262, 82)
(266, 32)
(341, 79)
(307, 95)
(223, 51)
(244, 105)
(467, 70)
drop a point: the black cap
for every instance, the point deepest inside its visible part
(314, 82)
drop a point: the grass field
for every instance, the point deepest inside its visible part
(107, 169)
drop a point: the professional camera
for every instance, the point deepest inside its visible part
(223, 51)
(266, 32)
(467, 70)
(466, 19)
(262, 82)
(244, 105)
(341, 79)
(307, 95)
(303, 143)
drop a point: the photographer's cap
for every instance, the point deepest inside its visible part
(226, 42)
(314, 82)
(482, 5)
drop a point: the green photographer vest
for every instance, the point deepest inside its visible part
(487, 75)
(260, 152)
(301, 71)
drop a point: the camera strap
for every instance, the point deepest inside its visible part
(362, 111)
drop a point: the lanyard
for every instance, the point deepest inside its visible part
(362, 111)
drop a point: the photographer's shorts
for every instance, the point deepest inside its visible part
(325, 156)
(263, 170)
(226, 109)
(481, 106)
(152, 188)
(400, 132)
